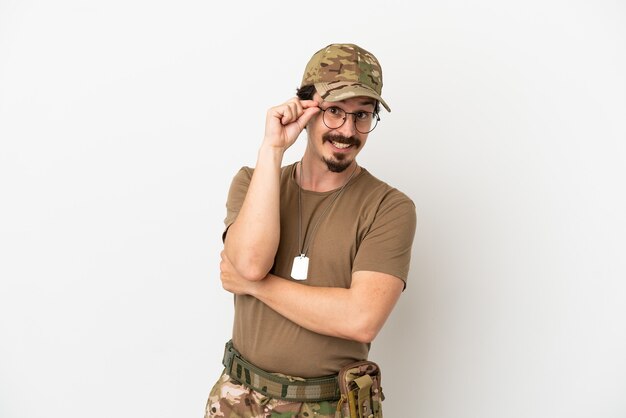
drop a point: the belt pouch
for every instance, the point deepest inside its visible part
(361, 391)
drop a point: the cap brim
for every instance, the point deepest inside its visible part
(342, 90)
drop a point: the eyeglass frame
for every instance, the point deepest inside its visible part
(374, 114)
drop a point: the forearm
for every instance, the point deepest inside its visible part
(357, 313)
(337, 312)
(315, 308)
(252, 241)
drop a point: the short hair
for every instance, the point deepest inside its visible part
(307, 93)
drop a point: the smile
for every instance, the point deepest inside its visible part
(340, 145)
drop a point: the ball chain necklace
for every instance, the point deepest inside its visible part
(300, 268)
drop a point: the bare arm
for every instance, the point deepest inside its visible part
(357, 313)
(252, 240)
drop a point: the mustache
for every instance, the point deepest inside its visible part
(349, 140)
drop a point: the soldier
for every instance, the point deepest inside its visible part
(316, 252)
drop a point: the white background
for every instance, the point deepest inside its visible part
(123, 122)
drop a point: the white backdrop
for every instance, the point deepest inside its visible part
(122, 123)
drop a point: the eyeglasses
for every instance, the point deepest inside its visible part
(334, 117)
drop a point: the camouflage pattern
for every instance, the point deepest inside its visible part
(285, 387)
(361, 390)
(229, 399)
(278, 385)
(342, 71)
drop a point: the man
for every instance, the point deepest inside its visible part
(316, 253)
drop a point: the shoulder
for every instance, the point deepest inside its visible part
(380, 193)
(244, 172)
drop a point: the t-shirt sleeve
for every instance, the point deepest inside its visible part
(386, 247)
(236, 195)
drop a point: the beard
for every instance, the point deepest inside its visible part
(337, 166)
(339, 163)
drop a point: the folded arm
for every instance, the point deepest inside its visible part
(357, 313)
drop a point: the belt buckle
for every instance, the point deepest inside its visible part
(229, 355)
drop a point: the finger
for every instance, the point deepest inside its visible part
(295, 111)
(287, 115)
(309, 103)
(294, 106)
(298, 107)
(279, 112)
(308, 115)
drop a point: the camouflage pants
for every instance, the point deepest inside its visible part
(229, 399)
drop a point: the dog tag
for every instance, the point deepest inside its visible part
(300, 268)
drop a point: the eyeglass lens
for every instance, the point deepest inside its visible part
(364, 122)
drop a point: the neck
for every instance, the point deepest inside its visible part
(315, 176)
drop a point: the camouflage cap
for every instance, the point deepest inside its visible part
(341, 71)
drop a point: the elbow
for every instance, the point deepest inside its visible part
(366, 336)
(254, 275)
(364, 333)
(253, 271)
(249, 266)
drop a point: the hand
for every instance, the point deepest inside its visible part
(284, 123)
(232, 281)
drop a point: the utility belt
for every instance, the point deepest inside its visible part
(356, 387)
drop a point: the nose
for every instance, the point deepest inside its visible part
(348, 128)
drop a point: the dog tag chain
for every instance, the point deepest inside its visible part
(300, 267)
